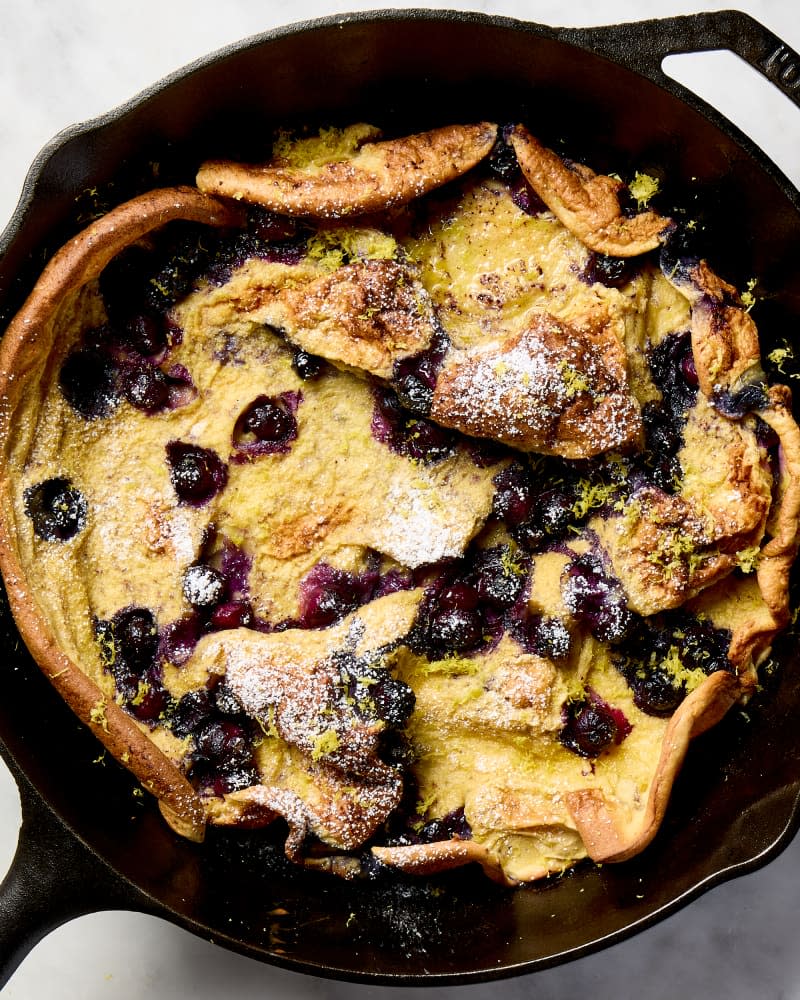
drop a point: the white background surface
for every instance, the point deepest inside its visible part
(65, 61)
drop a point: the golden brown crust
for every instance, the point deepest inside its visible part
(84, 257)
(443, 855)
(778, 555)
(116, 730)
(379, 175)
(552, 388)
(81, 260)
(724, 337)
(367, 315)
(585, 202)
(660, 552)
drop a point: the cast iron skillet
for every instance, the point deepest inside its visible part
(88, 842)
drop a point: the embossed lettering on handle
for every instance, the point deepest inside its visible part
(782, 67)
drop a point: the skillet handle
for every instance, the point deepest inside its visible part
(643, 45)
(54, 877)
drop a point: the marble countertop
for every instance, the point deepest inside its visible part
(65, 61)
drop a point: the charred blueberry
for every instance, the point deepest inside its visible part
(589, 728)
(197, 474)
(56, 508)
(203, 586)
(88, 381)
(307, 366)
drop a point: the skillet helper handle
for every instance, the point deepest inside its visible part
(54, 877)
(643, 45)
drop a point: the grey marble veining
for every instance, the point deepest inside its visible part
(65, 61)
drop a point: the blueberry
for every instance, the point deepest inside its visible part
(192, 710)
(654, 692)
(597, 600)
(589, 728)
(225, 701)
(394, 700)
(150, 702)
(136, 637)
(427, 442)
(222, 745)
(203, 586)
(328, 594)
(689, 370)
(514, 495)
(457, 597)
(267, 425)
(414, 394)
(452, 825)
(307, 366)
(143, 334)
(57, 509)
(146, 388)
(555, 511)
(553, 639)
(179, 638)
(738, 404)
(610, 271)
(232, 614)
(456, 629)
(88, 381)
(498, 582)
(502, 160)
(266, 420)
(197, 474)
(414, 437)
